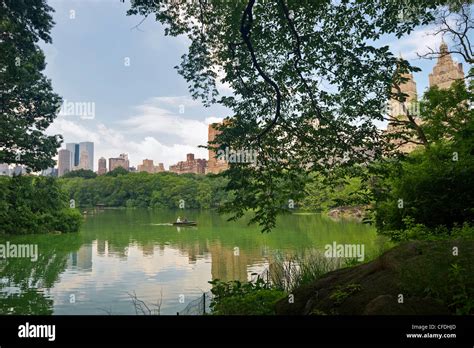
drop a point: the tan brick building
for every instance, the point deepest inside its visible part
(191, 165)
(444, 73)
(214, 165)
(149, 167)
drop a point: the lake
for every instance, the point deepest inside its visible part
(123, 252)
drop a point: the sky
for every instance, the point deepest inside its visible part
(137, 102)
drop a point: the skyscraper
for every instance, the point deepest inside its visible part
(64, 161)
(84, 160)
(214, 165)
(446, 71)
(74, 148)
(88, 160)
(102, 166)
(121, 161)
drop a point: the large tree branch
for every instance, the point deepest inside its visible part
(245, 27)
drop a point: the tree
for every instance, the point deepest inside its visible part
(117, 171)
(80, 173)
(28, 104)
(455, 21)
(447, 113)
(432, 186)
(307, 81)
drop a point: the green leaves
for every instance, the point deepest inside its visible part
(307, 80)
(161, 190)
(35, 205)
(27, 103)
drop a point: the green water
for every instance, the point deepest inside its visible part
(119, 252)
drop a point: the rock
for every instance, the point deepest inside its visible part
(413, 269)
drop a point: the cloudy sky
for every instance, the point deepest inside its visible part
(141, 105)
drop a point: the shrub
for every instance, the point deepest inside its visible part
(429, 190)
(32, 205)
(237, 298)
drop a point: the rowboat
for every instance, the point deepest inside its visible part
(187, 223)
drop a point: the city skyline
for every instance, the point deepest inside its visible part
(69, 160)
(151, 120)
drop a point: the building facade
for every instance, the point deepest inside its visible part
(146, 166)
(191, 165)
(102, 166)
(214, 165)
(444, 73)
(149, 167)
(74, 149)
(51, 171)
(64, 161)
(121, 161)
(86, 155)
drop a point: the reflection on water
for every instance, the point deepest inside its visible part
(119, 252)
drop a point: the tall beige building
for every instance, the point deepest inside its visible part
(446, 71)
(64, 161)
(102, 166)
(84, 160)
(399, 110)
(214, 164)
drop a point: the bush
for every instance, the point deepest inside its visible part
(30, 205)
(68, 220)
(80, 173)
(427, 190)
(237, 298)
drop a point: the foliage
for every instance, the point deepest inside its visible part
(463, 297)
(236, 298)
(80, 173)
(291, 272)
(447, 113)
(322, 194)
(308, 81)
(433, 186)
(429, 188)
(32, 204)
(28, 104)
(145, 190)
(117, 171)
(439, 273)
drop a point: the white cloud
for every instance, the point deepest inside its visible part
(71, 130)
(152, 118)
(175, 101)
(419, 41)
(213, 119)
(138, 136)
